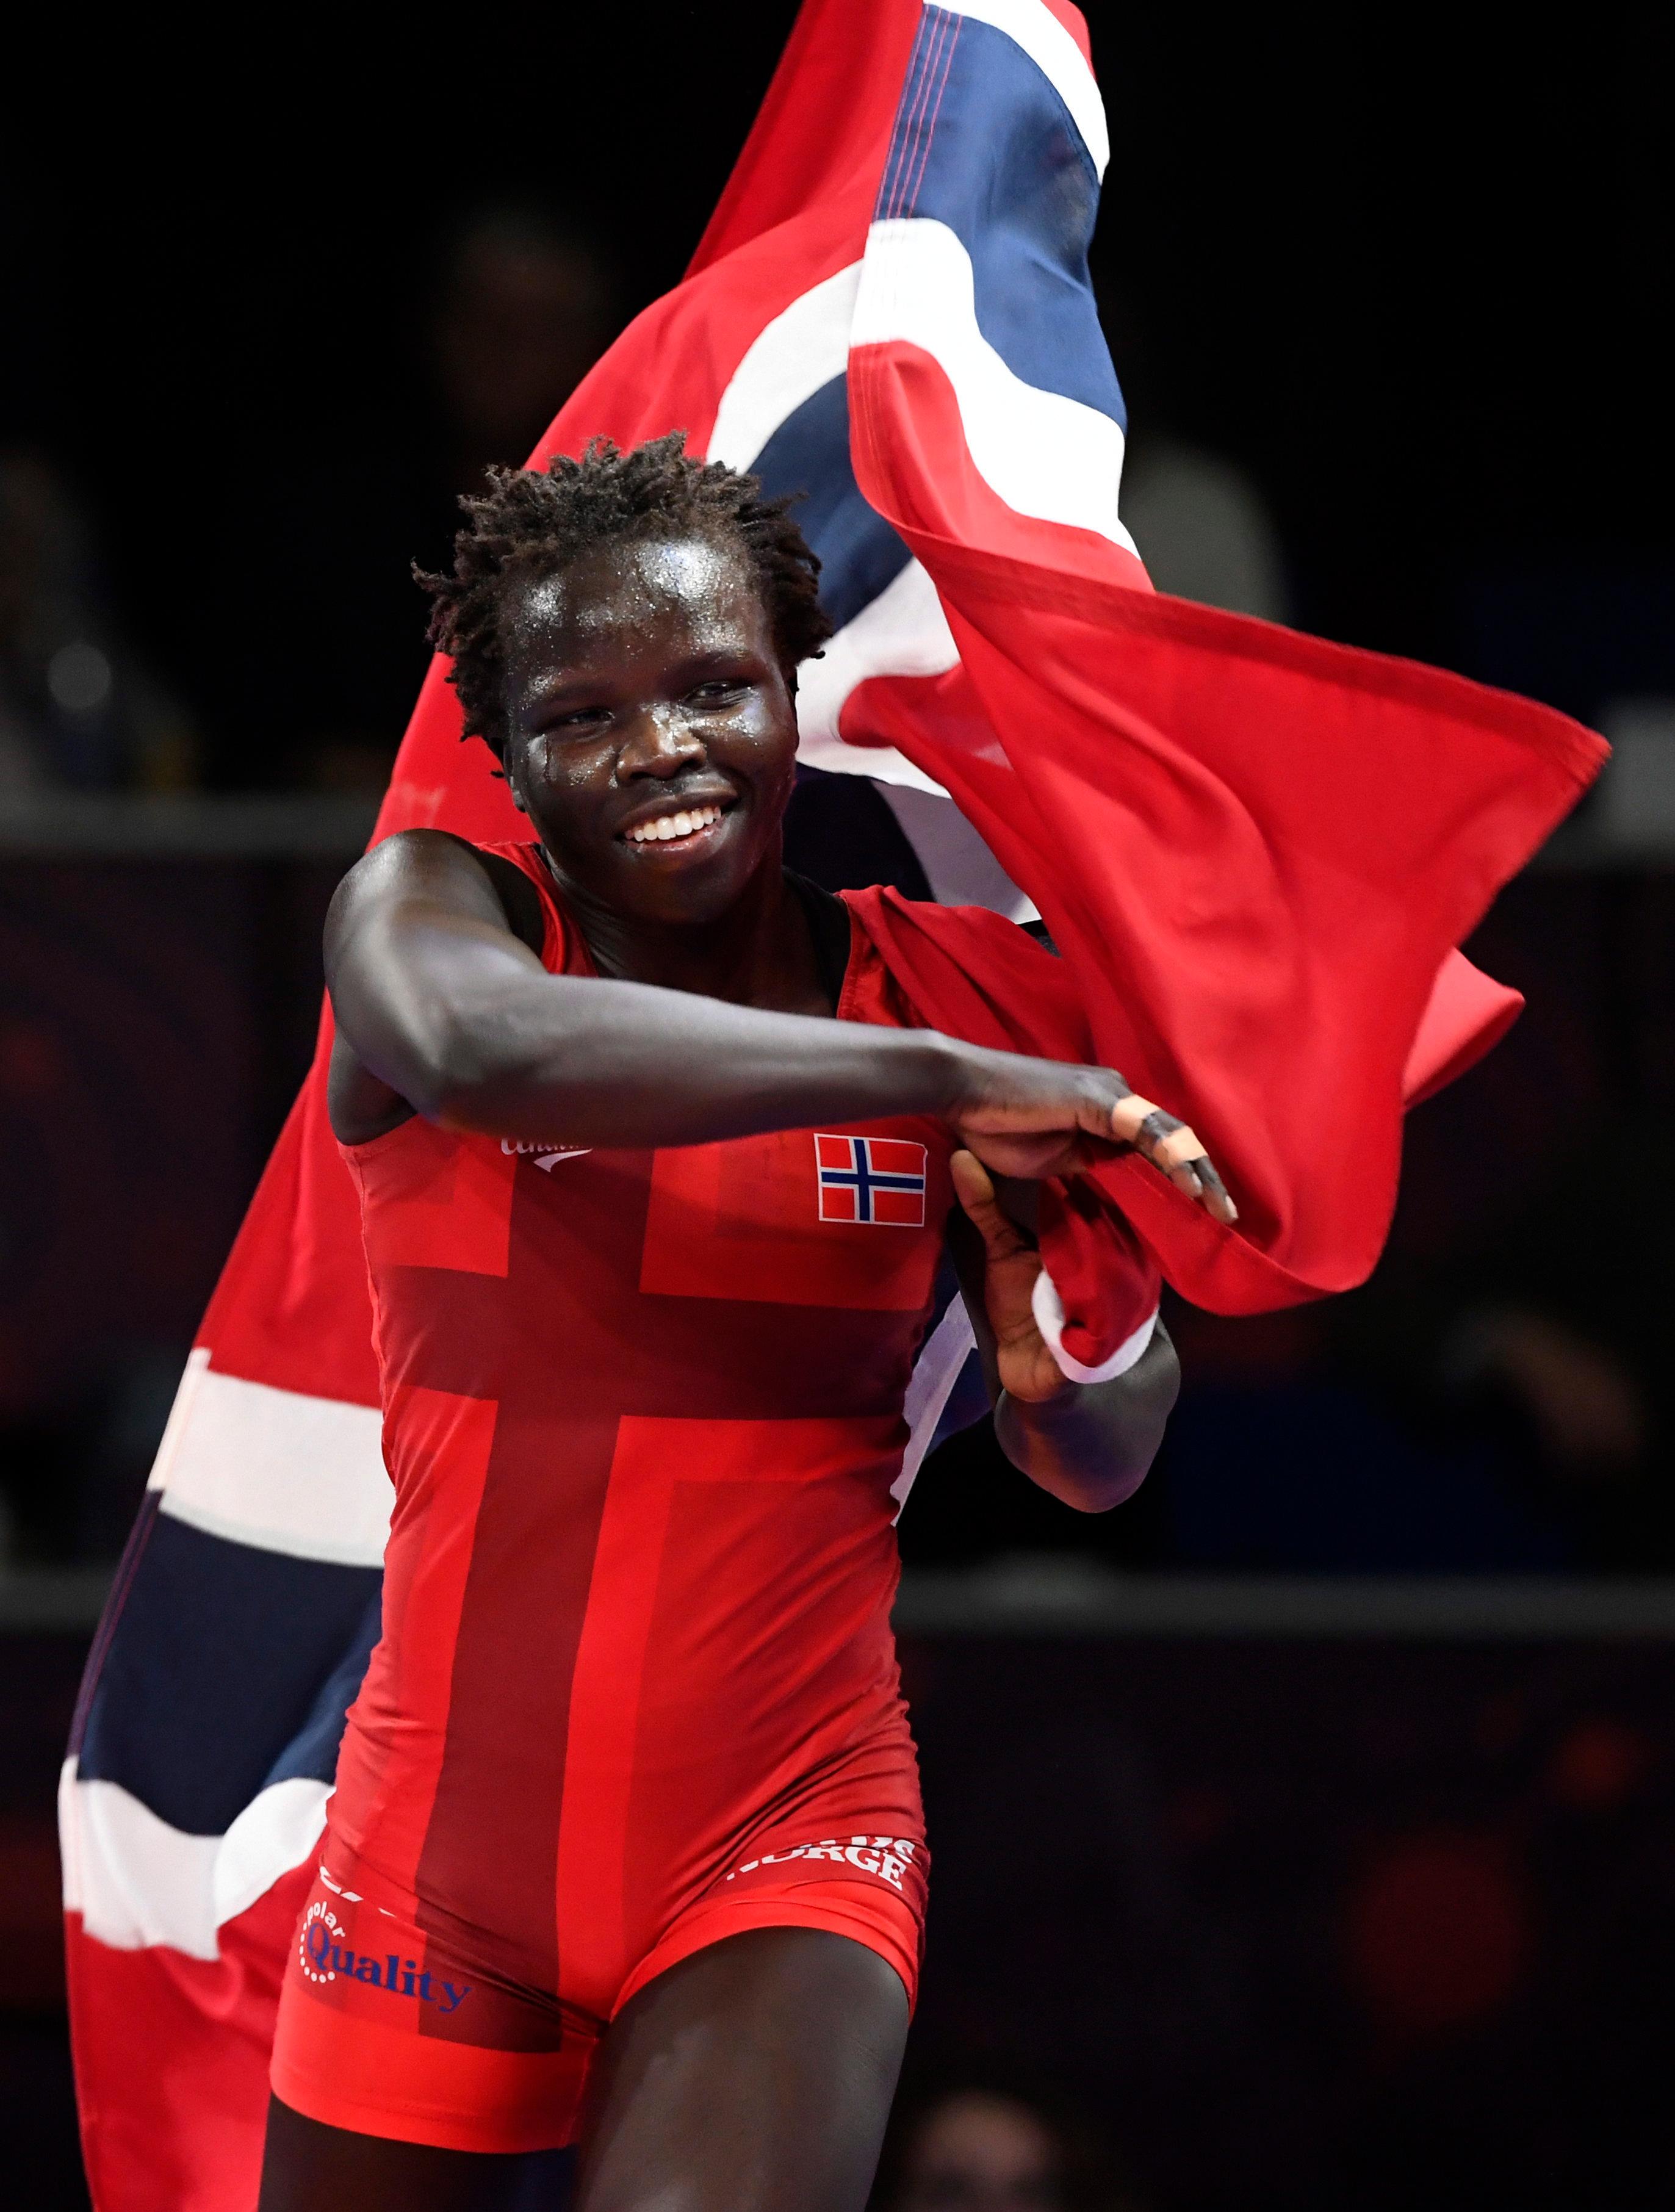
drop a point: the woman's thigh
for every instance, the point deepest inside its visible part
(754, 2077)
(311, 2168)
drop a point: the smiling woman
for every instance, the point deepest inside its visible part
(630, 1769)
(671, 749)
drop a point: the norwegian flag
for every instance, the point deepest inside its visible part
(1255, 853)
(870, 1179)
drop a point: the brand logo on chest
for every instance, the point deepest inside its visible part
(877, 1180)
(546, 1156)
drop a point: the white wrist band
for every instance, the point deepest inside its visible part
(1048, 1308)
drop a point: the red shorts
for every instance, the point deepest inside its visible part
(385, 2030)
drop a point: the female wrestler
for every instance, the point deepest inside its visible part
(627, 1803)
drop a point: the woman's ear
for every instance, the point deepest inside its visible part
(513, 781)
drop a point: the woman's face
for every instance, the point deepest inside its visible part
(650, 731)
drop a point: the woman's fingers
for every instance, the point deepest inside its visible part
(1136, 1121)
(1217, 1196)
(1053, 1119)
(974, 1187)
(1174, 1150)
(1010, 1266)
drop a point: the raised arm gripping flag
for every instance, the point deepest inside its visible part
(1255, 852)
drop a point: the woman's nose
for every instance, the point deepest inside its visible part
(657, 743)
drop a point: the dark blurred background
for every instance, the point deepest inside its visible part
(1388, 305)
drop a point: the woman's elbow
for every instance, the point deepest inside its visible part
(1099, 1490)
(1096, 1478)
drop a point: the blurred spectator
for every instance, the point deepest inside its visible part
(1579, 625)
(1498, 1397)
(1589, 1416)
(77, 710)
(523, 309)
(1203, 528)
(985, 2149)
(1289, 1452)
(1200, 520)
(520, 308)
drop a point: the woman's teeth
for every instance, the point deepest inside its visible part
(668, 826)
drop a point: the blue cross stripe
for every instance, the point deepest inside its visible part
(865, 1178)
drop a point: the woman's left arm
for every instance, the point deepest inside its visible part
(1088, 1444)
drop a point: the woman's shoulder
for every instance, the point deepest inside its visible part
(407, 859)
(534, 909)
(518, 879)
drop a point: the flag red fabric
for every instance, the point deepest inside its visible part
(1258, 903)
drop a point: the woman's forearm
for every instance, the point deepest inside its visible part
(441, 1004)
(442, 1008)
(594, 1062)
(1092, 1444)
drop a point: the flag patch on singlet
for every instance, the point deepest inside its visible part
(879, 1180)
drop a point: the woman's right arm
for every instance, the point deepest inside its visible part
(444, 1008)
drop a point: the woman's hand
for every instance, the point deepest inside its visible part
(1026, 1366)
(1088, 1443)
(1032, 1118)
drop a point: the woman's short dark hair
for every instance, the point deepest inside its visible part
(530, 522)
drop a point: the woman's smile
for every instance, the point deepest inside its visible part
(676, 830)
